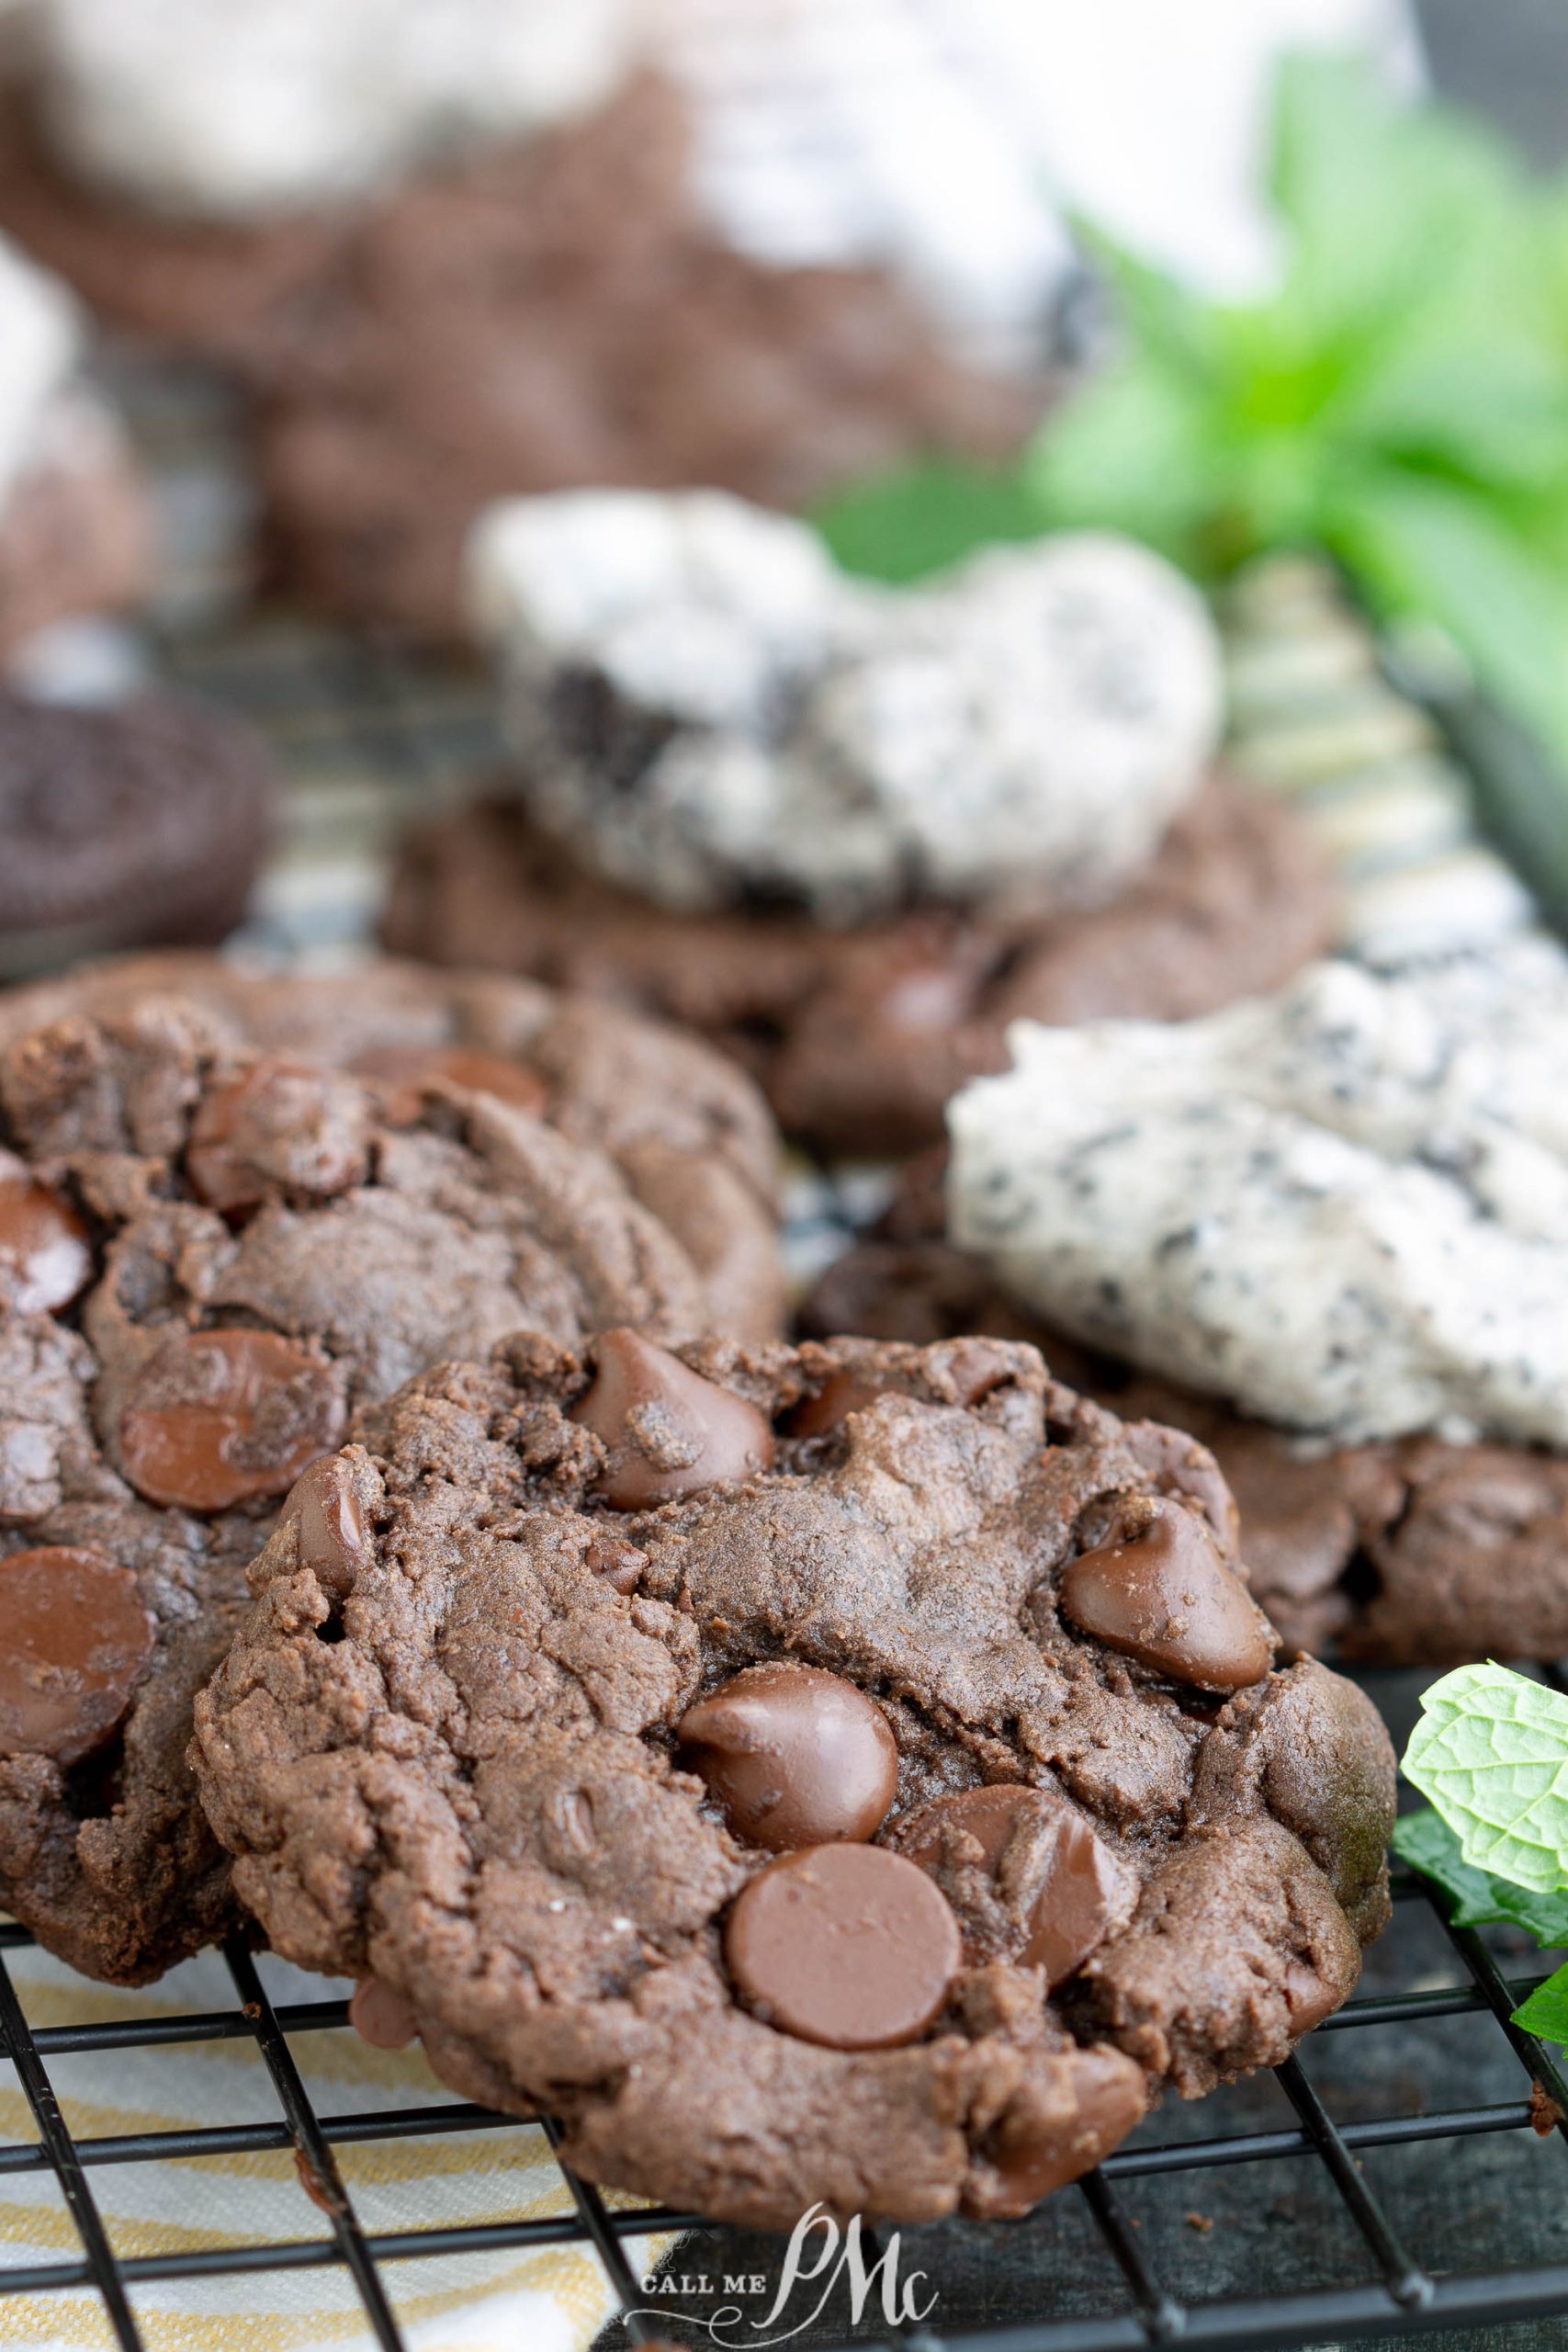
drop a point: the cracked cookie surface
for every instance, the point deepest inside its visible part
(526, 1729)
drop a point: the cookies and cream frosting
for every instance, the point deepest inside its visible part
(241, 109)
(707, 711)
(38, 350)
(1343, 1207)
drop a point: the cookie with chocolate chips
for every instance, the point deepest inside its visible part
(859, 1037)
(692, 1138)
(1414, 1553)
(208, 1258)
(849, 1774)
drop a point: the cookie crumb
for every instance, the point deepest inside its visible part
(1201, 2222)
(1545, 2112)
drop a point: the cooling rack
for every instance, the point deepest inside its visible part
(1401, 2178)
(1128, 2295)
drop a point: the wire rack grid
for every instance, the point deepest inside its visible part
(1401, 2290)
(365, 738)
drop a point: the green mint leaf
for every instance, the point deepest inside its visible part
(1443, 551)
(1477, 1899)
(1491, 1753)
(1544, 2012)
(909, 524)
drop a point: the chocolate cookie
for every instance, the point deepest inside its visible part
(692, 1140)
(124, 828)
(208, 1259)
(547, 317)
(859, 1037)
(849, 1774)
(1416, 1552)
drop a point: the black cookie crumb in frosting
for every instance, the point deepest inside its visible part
(849, 1772)
(208, 1258)
(124, 828)
(692, 1137)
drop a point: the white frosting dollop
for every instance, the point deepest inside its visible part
(240, 109)
(1345, 1206)
(39, 347)
(704, 708)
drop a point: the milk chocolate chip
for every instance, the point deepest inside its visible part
(849, 1945)
(45, 1255)
(406, 1072)
(381, 2016)
(74, 1639)
(974, 1365)
(619, 1563)
(1042, 2142)
(668, 1432)
(1025, 1873)
(334, 1541)
(217, 1417)
(794, 1756)
(283, 1127)
(1162, 1594)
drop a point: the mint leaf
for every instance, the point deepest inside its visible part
(1491, 1752)
(918, 521)
(1544, 2012)
(1447, 553)
(1477, 1899)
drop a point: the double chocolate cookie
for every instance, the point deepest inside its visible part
(1413, 1553)
(850, 1774)
(690, 1136)
(208, 1259)
(859, 1037)
(549, 316)
(124, 828)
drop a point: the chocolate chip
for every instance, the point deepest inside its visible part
(334, 1539)
(849, 1945)
(283, 1127)
(381, 2017)
(667, 1431)
(217, 1418)
(74, 1640)
(1042, 2142)
(975, 1366)
(1025, 1872)
(45, 1254)
(405, 1073)
(619, 1563)
(1162, 1594)
(793, 1755)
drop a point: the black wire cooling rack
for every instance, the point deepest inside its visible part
(1402, 2286)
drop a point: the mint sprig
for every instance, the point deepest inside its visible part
(1491, 1752)
(1400, 400)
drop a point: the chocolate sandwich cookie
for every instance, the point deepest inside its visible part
(208, 1259)
(860, 1036)
(691, 1138)
(532, 319)
(849, 1773)
(124, 827)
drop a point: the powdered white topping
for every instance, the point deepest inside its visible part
(38, 350)
(237, 109)
(706, 709)
(1344, 1207)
